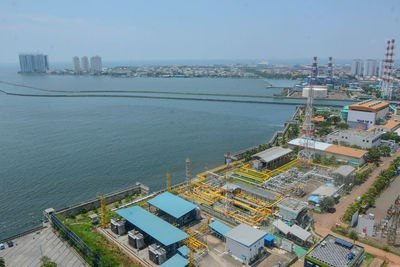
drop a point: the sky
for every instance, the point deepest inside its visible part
(207, 30)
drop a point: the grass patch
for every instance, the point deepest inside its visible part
(110, 253)
(368, 259)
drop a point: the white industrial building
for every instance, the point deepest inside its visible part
(350, 137)
(245, 242)
(365, 114)
(319, 91)
(348, 154)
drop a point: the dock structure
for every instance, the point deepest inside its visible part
(174, 209)
(154, 229)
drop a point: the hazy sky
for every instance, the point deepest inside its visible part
(215, 29)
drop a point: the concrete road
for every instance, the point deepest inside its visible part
(28, 250)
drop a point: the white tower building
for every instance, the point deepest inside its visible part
(356, 67)
(85, 64)
(95, 64)
(370, 66)
(76, 64)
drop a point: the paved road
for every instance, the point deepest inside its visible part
(29, 248)
(324, 222)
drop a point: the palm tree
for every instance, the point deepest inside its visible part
(2, 263)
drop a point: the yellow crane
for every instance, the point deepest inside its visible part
(103, 212)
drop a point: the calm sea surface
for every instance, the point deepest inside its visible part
(60, 151)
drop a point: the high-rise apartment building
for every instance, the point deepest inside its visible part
(381, 68)
(370, 67)
(95, 64)
(85, 64)
(356, 67)
(77, 65)
(33, 63)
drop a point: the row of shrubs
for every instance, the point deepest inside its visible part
(369, 197)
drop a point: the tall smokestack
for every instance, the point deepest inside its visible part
(314, 69)
(330, 69)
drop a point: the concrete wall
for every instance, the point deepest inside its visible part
(109, 198)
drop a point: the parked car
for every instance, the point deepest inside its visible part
(2, 246)
(10, 243)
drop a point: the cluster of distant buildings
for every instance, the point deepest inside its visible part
(367, 68)
(33, 63)
(95, 65)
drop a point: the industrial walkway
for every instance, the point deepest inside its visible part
(28, 250)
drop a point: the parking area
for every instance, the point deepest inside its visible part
(28, 250)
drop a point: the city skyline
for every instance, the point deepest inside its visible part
(204, 30)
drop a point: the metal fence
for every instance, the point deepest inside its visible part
(90, 256)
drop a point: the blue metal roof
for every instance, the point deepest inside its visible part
(314, 199)
(176, 261)
(152, 225)
(219, 227)
(171, 204)
(183, 251)
(269, 237)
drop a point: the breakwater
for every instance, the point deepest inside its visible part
(166, 98)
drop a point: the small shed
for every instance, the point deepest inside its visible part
(273, 157)
(219, 229)
(269, 240)
(344, 174)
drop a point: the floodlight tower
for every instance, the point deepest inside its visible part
(188, 173)
(308, 126)
(387, 85)
(168, 182)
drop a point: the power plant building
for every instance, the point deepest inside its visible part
(154, 229)
(365, 114)
(33, 63)
(319, 91)
(174, 209)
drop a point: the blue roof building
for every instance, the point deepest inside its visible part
(176, 261)
(155, 229)
(219, 228)
(174, 209)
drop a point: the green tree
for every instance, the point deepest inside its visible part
(335, 119)
(2, 262)
(327, 203)
(385, 150)
(342, 126)
(374, 155)
(46, 262)
(353, 235)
